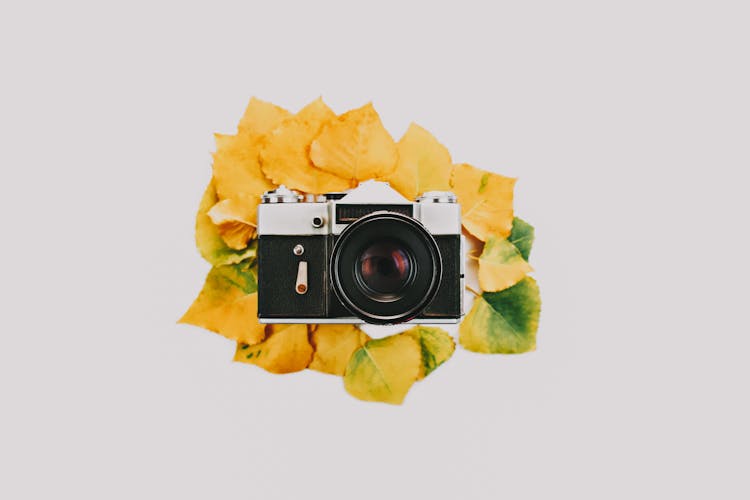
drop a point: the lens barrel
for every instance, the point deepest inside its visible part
(385, 268)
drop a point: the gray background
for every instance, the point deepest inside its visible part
(627, 124)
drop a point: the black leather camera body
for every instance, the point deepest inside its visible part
(368, 255)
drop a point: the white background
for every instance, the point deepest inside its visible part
(627, 124)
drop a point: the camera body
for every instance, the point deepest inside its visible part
(367, 255)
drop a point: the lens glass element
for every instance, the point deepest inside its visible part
(385, 268)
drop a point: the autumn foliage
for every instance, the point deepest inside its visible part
(317, 151)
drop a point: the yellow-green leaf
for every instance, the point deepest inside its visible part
(384, 369)
(435, 344)
(423, 164)
(522, 236)
(286, 349)
(228, 304)
(209, 241)
(355, 146)
(501, 265)
(486, 201)
(334, 346)
(503, 322)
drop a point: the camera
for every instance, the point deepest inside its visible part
(367, 255)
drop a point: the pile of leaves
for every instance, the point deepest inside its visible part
(317, 151)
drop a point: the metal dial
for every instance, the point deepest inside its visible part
(282, 194)
(437, 197)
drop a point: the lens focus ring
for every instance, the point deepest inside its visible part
(385, 268)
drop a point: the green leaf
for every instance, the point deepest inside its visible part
(436, 346)
(207, 238)
(243, 275)
(503, 322)
(522, 236)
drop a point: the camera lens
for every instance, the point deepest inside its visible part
(384, 268)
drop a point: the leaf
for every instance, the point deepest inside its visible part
(522, 236)
(284, 156)
(423, 164)
(208, 239)
(236, 167)
(436, 346)
(486, 201)
(235, 220)
(334, 346)
(355, 146)
(286, 349)
(501, 265)
(228, 304)
(503, 322)
(261, 117)
(384, 369)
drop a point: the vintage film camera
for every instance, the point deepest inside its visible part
(367, 255)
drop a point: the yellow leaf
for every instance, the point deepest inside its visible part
(261, 117)
(286, 349)
(228, 304)
(355, 146)
(436, 346)
(235, 220)
(237, 168)
(284, 156)
(423, 164)
(334, 346)
(501, 265)
(486, 201)
(207, 238)
(383, 369)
